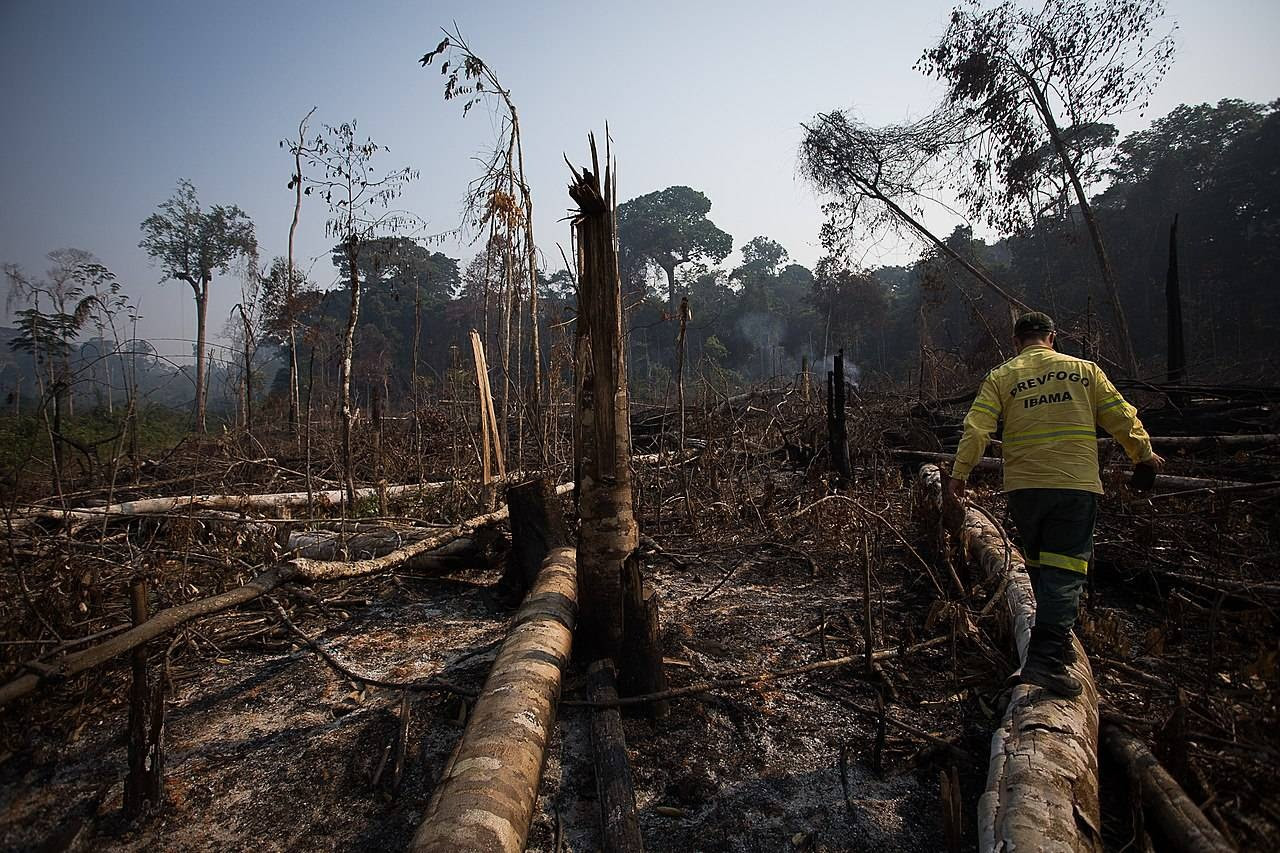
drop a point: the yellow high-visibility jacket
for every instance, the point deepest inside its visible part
(1050, 403)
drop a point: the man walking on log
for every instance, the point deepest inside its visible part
(1051, 404)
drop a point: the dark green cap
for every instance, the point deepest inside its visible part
(1033, 323)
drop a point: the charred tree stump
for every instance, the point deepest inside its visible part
(619, 825)
(641, 664)
(537, 526)
(837, 425)
(1181, 825)
(144, 784)
(486, 797)
(608, 533)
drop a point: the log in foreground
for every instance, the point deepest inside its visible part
(615, 791)
(300, 569)
(1042, 782)
(1181, 823)
(485, 800)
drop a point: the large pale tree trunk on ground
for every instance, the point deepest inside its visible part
(486, 796)
(1042, 781)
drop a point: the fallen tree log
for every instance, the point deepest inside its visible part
(486, 796)
(325, 545)
(279, 500)
(1042, 781)
(615, 791)
(1114, 474)
(162, 623)
(1180, 823)
(299, 569)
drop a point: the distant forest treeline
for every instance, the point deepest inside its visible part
(1215, 167)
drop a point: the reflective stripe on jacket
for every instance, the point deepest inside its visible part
(1051, 404)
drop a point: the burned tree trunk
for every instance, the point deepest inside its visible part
(837, 425)
(1177, 364)
(144, 784)
(344, 378)
(608, 532)
(619, 825)
(1181, 824)
(537, 526)
(641, 660)
(486, 797)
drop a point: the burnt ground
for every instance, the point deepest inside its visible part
(273, 749)
(270, 748)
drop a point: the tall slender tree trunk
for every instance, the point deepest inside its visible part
(291, 284)
(248, 374)
(670, 270)
(504, 344)
(531, 258)
(344, 375)
(1091, 222)
(1177, 354)
(417, 333)
(202, 317)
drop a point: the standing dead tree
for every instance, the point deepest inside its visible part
(880, 178)
(359, 206)
(1017, 74)
(292, 277)
(608, 532)
(620, 618)
(499, 201)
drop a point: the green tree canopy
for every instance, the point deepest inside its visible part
(669, 228)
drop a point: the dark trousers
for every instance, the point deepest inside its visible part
(1055, 530)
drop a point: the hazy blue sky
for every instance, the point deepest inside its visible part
(107, 104)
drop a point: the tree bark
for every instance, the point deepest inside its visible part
(144, 783)
(839, 429)
(670, 270)
(241, 503)
(344, 378)
(608, 532)
(486, 796)
(641, 660)
(1182, 826)
(202, 315)
(248, 374)
(615, 791)
(295, 397)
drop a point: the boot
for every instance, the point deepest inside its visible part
(1068, 659)
(1045, 666)
(1068, 650)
